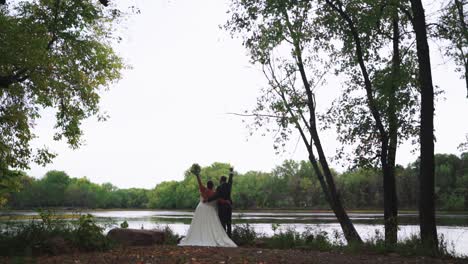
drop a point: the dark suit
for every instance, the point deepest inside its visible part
(224, 209)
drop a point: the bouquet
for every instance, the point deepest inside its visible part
(195, 169)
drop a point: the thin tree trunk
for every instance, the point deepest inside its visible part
(390, 192)
(328, 186)
(336, 204)
(426, 173)
(387, 145)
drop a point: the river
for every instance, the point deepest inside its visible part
(454, 227)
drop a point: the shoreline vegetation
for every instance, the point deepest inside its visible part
(53, 235)
(291, 185)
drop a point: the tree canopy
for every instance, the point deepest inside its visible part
(55, 54)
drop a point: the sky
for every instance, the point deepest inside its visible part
(171, 109)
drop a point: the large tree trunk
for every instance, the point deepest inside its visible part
(426, 173)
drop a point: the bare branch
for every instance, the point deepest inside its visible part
(254, 115)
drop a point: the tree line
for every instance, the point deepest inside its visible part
(289, 185)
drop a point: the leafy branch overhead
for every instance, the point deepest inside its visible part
(56, 54)
(103, 2)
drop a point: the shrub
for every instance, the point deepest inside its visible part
(171, 238)
(411, 246)
(88, 235)
(289, 238)
(244, 235)
(124, 224)
(51, 234)
(316, 239)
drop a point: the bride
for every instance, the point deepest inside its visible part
(206, 228)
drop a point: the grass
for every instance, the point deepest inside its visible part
(289, 238)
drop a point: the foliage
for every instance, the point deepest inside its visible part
(451, 27)
(375, 99)
(292, 184)
(464, 146)
(171, 237)
(411, 246)
(55, 54)
(9, 183)
(52, 235)
(57, 189)
(88, 236)
(124, 224)
(244, 234)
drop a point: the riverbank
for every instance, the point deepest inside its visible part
(175, 254)
(285, 227)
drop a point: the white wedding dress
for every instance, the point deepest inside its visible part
(206, 229)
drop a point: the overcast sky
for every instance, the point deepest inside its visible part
(170, 110)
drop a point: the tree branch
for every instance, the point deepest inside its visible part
(20, 76)
(360, 57)
(280, 92)
(254, 115)
(103, 2)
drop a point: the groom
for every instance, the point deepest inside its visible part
(223, 195)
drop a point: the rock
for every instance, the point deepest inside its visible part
(136, 237)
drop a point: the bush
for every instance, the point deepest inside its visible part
(411, 246)
(452, 201)
(170, 237)
(51, 234)
(88, 235)
(317, 239)
(243, 235)
(124, 224)
(288, 238)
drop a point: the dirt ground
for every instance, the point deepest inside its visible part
(174, 254)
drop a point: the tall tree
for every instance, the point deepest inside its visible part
(269, 27)
(426, 177)
(55, 54)
(377, 119)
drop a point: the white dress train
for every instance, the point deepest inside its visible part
(206, 229)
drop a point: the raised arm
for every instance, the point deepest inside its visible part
(195, 169)
(231, 173)
(200, 185)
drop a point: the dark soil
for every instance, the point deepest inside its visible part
(175, 254)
